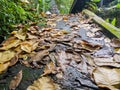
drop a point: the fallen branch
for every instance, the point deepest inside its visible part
(114, 30)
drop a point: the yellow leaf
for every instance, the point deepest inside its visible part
(6, 56)
(4, 66)
(107, 78)
(29, 46)
(10, 43)
(43, 83)
(50, 68)
(21, 34)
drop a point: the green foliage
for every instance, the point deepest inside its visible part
(10, 13)
(95, 1)
(113, 22)
(13, 12)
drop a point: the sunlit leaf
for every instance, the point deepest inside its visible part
(29, 46)
(20, 34)
(24, 1)
(10, 43)
(6, 56)
(4, 66)
(50, 68)
(107, 78)
(43, 83)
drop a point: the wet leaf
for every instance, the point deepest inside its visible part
(4, 66)
(43, 83)
(107, 77)
(15, 81)
(6, 56)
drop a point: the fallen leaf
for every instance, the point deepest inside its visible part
(116, 58)
(20, 34)
(10, 43)
(14, 60)
(4, 66)
(106, 62)
(89, 46)
(6, 56)
(15, 81)
(30, 36)
(43, 83)
(107, 77)
(29, 46)
(50, 68)
(115, 43)
(65, 18)
(39, 56)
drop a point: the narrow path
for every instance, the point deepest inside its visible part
(71, 52)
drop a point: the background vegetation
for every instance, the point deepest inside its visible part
(13, 12)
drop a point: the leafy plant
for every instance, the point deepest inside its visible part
(13, 12)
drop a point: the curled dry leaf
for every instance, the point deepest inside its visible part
(6, 56)
(39, 56)
(20, 34)
(15, 81)
(115, 43)
(29, 46)
(14, 60)
(116, 58)
(107, 77)
(43, 83)
(107, 61)
(4, 66)
(10, 43)
(50, 68)
(89, 46)
(30, 36)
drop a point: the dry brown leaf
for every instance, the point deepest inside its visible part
(106, 62)
(30, 36)
(116, 58)
(39, 56)
(65, 18)
(43, 83)
(107, 78)
(50, 68)
(29, 46)
(6, 56)
(20, 34)
(115, 43)
(10, 43)
(14, 60)
(15, 81)
(4, 66)
(89, 46)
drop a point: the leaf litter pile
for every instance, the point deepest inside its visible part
(70, 53)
